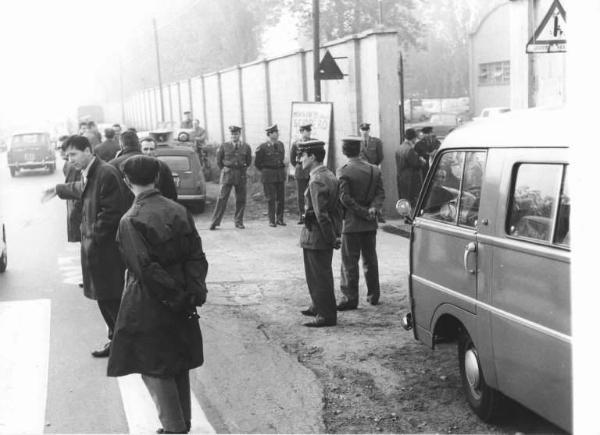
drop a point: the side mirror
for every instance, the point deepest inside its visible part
(404, 209)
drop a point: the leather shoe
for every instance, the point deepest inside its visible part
(282, 223)
(308, 312)
(212, 227)
(240, 226)
(345, 306)
(161, 430)
(300, 222)
(372, 300)
(80, 285)
(102, 353)
(272, 224)
(320, 323)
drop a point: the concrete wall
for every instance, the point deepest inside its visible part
(260, 93)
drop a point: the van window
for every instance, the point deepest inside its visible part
(540, 203)
(471, 188)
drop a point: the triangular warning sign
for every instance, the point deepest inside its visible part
(550, 35)
(328, 69)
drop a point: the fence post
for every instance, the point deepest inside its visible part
(358, 84)
(241, 88)
(268, 92)
(221, 116)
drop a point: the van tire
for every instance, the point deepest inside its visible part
(483, 399)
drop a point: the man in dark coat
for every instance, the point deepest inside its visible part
(409, 166)
(131, 147)
(362, 195)
(426, 147)
(233, 158)
(371, 147)
(73, 205)
(320, 234)
(157, 332)
(108, 149)
(104, 199)
(269, 161)
(300, 175)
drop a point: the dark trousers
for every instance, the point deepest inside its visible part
(109, 309)
(240, 203)
(301, 184)
(353, 246)
(319, 278)
(172, 399)
(274, 194)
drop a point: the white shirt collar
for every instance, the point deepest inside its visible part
(84, 171)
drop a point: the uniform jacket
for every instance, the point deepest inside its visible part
(321, 198)
(233, 162)
(73, 205)
(372, 150)
(107, 150)
(269, 160)
(409, 175)
(164, 183)
(186, 123)
(104, 201)
(299, 173)
(157, 332)
(361, 187)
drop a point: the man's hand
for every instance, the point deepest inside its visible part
(48, 194)
(338, 243)
(372, 213)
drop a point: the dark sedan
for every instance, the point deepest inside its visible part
(30, 151)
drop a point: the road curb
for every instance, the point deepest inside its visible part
(400, 229)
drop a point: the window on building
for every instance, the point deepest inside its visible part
(494, 73)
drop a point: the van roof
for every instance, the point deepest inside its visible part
(528, 128)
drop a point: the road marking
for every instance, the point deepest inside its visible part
(25, 344)
(141, 413)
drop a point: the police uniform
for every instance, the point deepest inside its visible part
(371, 149)
(361, 188)
(300, 175)
(232, 159)
(269, 160)
(318, 238)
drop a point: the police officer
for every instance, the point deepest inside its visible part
(187, 121)
(371, 147)
(320, 234)
(269, 160)
(301, 175)
(362, 195)
(233, 158)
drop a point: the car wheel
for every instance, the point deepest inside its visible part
(483, 399)
(198, 206)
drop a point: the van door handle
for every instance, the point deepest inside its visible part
(471, 247)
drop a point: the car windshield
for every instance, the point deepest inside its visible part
(29, 140)
(176, 163)
(442, 118)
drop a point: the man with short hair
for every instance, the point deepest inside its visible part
(108, 149)
(165, 176)
(300, 175)
(83, 128)
(93, 134)
(117, 128)
(269, 161)
(371, 146)
(233, 158)
(362, 195)
(409, 166)
(187, 121)
(320, 234)
(104, 201)
(199, 136)
(426, 147)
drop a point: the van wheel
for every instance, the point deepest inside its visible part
(484, 400)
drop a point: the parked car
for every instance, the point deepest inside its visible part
(31, 150)
(187, 174)
(490, 112)
(490, 261)
(441, 122)
(3, 249)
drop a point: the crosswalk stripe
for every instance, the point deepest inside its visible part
(25, 337)
(142, 417)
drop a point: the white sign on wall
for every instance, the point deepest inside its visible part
(317, 114)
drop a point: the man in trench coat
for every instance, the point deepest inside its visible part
(104, 200)
(409, 168)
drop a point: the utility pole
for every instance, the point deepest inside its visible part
(401, 79)
(160, 88)
(380, 13)
(316, 54)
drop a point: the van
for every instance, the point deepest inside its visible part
(490, 261)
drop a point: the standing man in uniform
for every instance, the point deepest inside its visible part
(104, 201)
(300, 175)
(362, 195)
(187, 121)
(409, 166)
(320, 235)
(233, 158)
(371, 147)
(269, 161)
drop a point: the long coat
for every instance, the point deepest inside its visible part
(73, 206)
(409, 173)
(233, 162)
(361, 187)
(269, 161)
(104, 201)
(157, 331)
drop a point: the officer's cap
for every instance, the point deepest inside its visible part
(307, 127)
(235, 129)
(365, 126)
(311, 145)
(272, 129)
(351, 144)
(427, 130)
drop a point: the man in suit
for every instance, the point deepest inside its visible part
(233, 158)
(409, 175)
(426, 147)
(103, 194)
(320, 234)
(108, 149)
(269, 161)
(362, 195)
(187, 121)
(371, 147)
(300, 175)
